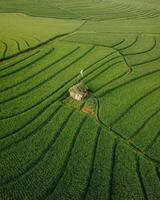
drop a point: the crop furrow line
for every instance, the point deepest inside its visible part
(2, 56)
(26, 42)
(49, 78)
(28, 64)
(153, 160)
(149, 146)
(33, 164)
(5, 50)
(42, 70)
(23, 59)
(18, 45)
(130, 67)
(139, 175)
(146, 62)
(54, 183)
(113, 46)
(158, 173)
(146, 51)
(134, 104)
(110, 188)
(144, 124)
(111, 81)
(128, 82)
(130, 45)
(83, 197)
(104, 70)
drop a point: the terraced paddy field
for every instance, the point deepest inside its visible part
(50, 150)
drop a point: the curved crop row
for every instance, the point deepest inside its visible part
(144, 123)
(129, 45)
(57, 179)
(18, 45)
(127, 82)
(110, 189)
(28, 64)
(28, 129)
(144, 116)
(44, 152)
(140, 178)
(4, 67)
(92, 164)
(40, 71)
(115, 45)
(146, 62)
(134, 104)
(112, 80)
(54, 165)
(31, 47)
(104, 70)
(91, 138)
(145, 51)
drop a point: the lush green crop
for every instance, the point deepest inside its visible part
(50, 149)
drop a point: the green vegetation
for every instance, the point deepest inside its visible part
(106, 146)
(21, 32)
(90, 106)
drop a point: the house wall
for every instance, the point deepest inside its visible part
(76, 96)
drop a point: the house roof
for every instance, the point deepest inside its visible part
(79, 88)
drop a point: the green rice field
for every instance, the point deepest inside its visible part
(52, 151)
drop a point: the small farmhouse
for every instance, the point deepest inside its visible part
(78, 91)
